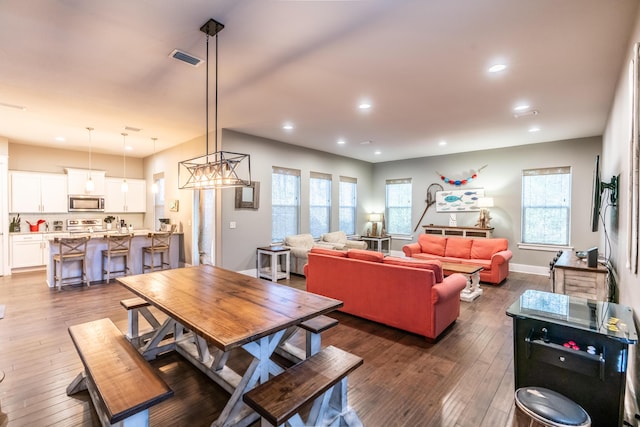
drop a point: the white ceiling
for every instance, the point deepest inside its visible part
(421, 63)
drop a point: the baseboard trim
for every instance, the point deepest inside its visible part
(531, 269)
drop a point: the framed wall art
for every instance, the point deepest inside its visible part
(459, 200)
(248, 197)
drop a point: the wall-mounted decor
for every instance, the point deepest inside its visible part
(462, 181)
(174, 205)
(248, 197)
(459, 200)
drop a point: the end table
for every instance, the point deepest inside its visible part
(275, 254)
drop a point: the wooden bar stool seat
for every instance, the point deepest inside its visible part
(118, 246)
(70, 250)
(160, 244)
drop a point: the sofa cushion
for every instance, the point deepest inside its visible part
(331, 252)
(431, 244)
(363, 255)
(458, 247)
(485, 248)
(299, 241)
(433, 265)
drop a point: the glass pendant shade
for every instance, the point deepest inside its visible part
(124, 187)
(89, 185)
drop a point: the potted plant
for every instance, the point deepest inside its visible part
(109, 219)
(14, 225)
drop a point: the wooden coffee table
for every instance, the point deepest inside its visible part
(472, 290)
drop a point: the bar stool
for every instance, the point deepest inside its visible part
(70, 249)
(537, 406)
(160, 244)
(118, 246)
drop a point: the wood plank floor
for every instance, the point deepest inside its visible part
(465, 379)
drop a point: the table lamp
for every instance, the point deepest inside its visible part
(375, 218)
(484, 220)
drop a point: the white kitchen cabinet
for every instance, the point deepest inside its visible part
(27, 250)
(77, 179)
(37, 192)
(134, 200)
(31, 250)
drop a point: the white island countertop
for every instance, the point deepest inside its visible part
(98, 243)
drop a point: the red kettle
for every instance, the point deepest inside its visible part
(36, 226)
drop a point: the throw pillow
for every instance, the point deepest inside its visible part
(433, 265)
(458, 247)
(485, 248)
(332, 252)
(363, 255)
(431, 244)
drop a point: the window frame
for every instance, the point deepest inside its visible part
(277, 191)
(353, 206)
(322, 179)
(389, 217)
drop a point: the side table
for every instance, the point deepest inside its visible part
(274, 254)
(376, 243)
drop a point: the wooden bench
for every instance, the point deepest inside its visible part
(121, 383)
(134, 307)
(313, 340)
(321, 379)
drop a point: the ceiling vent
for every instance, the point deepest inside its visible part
(185, 57)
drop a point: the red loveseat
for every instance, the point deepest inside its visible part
(407, 294)
(492, 254)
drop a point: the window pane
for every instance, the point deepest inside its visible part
(398, 217)
(319, 206)
(285, 205)
(347, 210)
(546, 206)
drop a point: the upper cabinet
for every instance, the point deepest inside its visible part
(77, 180)
(134, 200)
(37, 192)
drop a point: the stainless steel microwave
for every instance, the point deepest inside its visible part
(86, 204)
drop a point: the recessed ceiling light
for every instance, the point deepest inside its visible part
(364, 105)
(377, 153)
(128, 148)
(525, 113)
(342, 142)
(59, 138)
(534, 129)
(442, 143)
(287, 126)
(497, 68)
(521, 107)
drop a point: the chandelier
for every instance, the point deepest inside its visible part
(220, 169)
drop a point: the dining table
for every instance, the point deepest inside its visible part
(212, 312)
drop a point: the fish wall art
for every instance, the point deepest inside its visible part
(459, 200)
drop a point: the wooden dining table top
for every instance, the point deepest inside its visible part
(227, 308)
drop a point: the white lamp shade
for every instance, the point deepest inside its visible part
(485, 202)
(375, 217)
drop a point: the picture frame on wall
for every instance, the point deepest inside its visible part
(459, 200)
(248, 197)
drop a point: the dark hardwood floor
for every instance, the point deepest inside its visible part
(464, 379)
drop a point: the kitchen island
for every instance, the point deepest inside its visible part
(98, 243)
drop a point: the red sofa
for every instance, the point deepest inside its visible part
(398, 292)
(492, 254)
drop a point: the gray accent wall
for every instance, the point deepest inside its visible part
(500, 179)
(253, 227)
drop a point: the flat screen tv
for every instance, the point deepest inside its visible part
(596, 198)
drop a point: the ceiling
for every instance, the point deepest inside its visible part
(422, 65)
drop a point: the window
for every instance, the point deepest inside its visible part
(285, 203)
(319, 203)
(348, 203)
(546, 206)
(398, 206)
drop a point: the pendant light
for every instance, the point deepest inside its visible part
(124, 187)
(89, 186)
(220, 169)
(154, 186)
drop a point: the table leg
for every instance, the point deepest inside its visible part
(472, 290)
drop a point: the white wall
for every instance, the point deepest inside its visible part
(616, 140)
